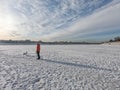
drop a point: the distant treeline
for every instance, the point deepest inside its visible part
(17, 42)
(29, 42)
(115, 39)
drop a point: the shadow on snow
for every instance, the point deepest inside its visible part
(77, 65)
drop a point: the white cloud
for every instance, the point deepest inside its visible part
(49, 20)
(105, 20)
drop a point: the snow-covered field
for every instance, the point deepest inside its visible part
(62, 67)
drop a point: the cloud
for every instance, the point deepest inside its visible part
(51, 19)
(100, 21)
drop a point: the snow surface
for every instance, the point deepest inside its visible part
(62, 67)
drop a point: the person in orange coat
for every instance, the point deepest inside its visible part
(38, 50)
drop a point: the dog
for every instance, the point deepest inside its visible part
(25, 53)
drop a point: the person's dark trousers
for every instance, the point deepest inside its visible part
(38, 54)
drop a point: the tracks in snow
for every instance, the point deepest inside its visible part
(88, 70)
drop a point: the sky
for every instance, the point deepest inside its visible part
(59, 20)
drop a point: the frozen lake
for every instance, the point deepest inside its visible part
(61, 67)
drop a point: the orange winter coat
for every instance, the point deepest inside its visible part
(38, 48)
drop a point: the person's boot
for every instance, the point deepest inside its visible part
(38, 57)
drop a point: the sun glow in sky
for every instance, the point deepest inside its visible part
(57, 20)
